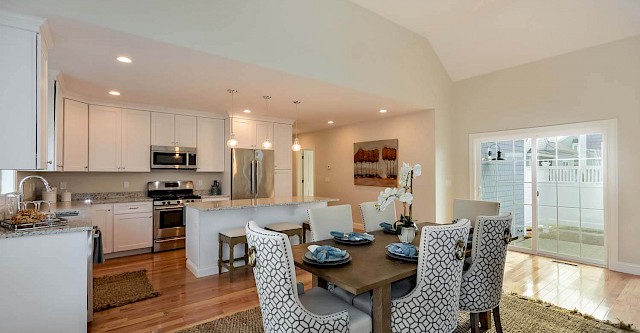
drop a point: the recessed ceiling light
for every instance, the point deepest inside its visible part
(114, 93)
(124, 59)
(247, 111)
(383, 111)
(330, 122)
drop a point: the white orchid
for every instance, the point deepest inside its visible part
(406, 197)
(404, 192)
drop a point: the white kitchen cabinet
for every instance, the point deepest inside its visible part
(282, 142)
(55, 129)
(245, 132)
(76, 136)
(102, 217)
(173, 130)
(105, 138)
(23, 96)
(185, 131)
(132, 231)
(264, 130)
(211, 145)
(162, 129)
(282, 183)
(136, 140)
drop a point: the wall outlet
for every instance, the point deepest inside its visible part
(125, 184)
(63, 185)
(326, 179)
(200, 183)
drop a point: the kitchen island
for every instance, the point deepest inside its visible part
(205, 220)
(45, 276)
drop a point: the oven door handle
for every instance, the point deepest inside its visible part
(168, 209)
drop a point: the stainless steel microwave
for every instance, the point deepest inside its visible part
(169, 157)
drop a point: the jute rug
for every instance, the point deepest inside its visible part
(117, 290)
(519, 315)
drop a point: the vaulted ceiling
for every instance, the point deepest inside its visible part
(474, 37)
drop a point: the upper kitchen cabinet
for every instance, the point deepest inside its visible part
(282, 142)
(75, 136)
(136, 140)
(173, 130)
(23, 93)
(211, 145)
(251, 133)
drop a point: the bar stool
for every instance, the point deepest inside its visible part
(289, 229)
(305, 227)
(232, 237)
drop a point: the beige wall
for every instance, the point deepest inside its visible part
(83, 182)
(593, 84)
(416, 144)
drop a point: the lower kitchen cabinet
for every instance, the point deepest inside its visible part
(132, 231)
(102, 217)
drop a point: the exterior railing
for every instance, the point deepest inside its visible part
(570, 174)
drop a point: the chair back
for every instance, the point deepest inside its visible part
(471, 209)
(432, 306)
(323, 220)
(481, 287)
(274, 272)
(371, 217)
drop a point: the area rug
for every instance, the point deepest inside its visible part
(519, 315)
(117, 290)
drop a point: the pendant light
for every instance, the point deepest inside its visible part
(266, 144)
(296, 143)
(232, 142)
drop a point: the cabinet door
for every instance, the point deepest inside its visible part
(132, 231)
(102, 217)
(162, 129)
(136, 140)
(211, 145)
(185, 131)
(43, 91)
(264, 130)
(282, 145)
(245, 131)
(105, 138)
(282, 186)
(18, 99)
(76, 136)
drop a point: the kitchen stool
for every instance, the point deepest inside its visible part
(232, 237)
(305, 227)
(287, 228)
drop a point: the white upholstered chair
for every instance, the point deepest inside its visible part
(471, 209)
(283, 309)
(481, 287)
(371, 217)
(432, 305)
(323, 220)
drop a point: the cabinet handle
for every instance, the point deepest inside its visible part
(134, 207)
(49, 162)
(60, 166)
(86, 167)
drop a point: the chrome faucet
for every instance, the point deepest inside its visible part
(21, 187)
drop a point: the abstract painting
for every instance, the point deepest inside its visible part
(375, 163)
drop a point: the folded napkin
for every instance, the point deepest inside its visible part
(325, 252)
(352, 236)
(403, 249)
(387, 226)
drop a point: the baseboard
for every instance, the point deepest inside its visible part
(625, 267)
(128, 253)
(201, 272)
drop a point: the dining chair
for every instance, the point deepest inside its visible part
(432, 305)
(471, 209)
(323, 220)
(283, 309)
(481, 287)
(371, 217)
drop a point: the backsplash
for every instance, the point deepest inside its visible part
(3, 208)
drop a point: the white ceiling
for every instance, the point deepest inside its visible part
(474, 37)
(174, 77)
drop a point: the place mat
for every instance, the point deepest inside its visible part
(309, 259)
(117, 290)
(402, 258)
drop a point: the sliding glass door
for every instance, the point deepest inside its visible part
(553, 185)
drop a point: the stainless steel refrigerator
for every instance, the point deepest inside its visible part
(251, 173)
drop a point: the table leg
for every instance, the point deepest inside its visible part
(485, 320)
(318, 282)
(381, 309)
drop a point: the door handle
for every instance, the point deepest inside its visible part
(253, 172)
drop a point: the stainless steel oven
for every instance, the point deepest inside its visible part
(169, 157)
(168, 227)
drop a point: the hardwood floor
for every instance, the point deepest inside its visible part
(185, 300)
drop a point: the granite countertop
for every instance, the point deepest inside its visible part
(253, 203)
(76, 224)
(120, 200)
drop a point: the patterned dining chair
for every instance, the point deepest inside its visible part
(481, 287)
(283, 309)
(371, 217)
(432, 305)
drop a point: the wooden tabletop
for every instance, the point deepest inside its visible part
(370, 268)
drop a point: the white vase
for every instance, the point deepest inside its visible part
(407, 234)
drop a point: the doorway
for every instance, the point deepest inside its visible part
(554, 183)
(305, 172)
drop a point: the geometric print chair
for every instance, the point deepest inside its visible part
(481, 287)
(432, 306)
(283, 309)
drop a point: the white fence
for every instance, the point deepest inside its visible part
(570, 174)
